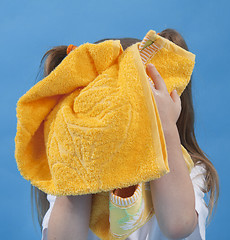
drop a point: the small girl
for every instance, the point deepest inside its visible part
(178, 197)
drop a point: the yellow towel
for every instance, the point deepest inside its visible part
(92, 124)
(130, 208)
(124, 215)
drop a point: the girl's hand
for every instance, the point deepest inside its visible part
(169, 106)
(172, 194)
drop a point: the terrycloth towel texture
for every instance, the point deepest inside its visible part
(130, 208)
(92, 124)
(124, 215)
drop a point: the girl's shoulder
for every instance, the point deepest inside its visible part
(51, 198)
(198, 177)
(198, 171)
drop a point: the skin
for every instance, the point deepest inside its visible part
(172, 195)
(70, 218)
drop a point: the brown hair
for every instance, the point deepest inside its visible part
(185, 125)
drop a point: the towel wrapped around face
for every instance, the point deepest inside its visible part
(92, 124)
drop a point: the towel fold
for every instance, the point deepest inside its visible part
(92, 125)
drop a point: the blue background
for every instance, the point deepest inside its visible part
(29, 28)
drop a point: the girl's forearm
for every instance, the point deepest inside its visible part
(173, 195)
(70, 217)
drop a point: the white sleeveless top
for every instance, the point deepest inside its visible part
(151, 230)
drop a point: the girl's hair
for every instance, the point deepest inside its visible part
(185, 125)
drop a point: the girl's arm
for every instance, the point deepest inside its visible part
(70, 217)
(173, 195)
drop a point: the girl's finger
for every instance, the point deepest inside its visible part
(152, 87)
(156, 77)
(175, 97)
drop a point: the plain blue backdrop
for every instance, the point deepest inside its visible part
(28, 28)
